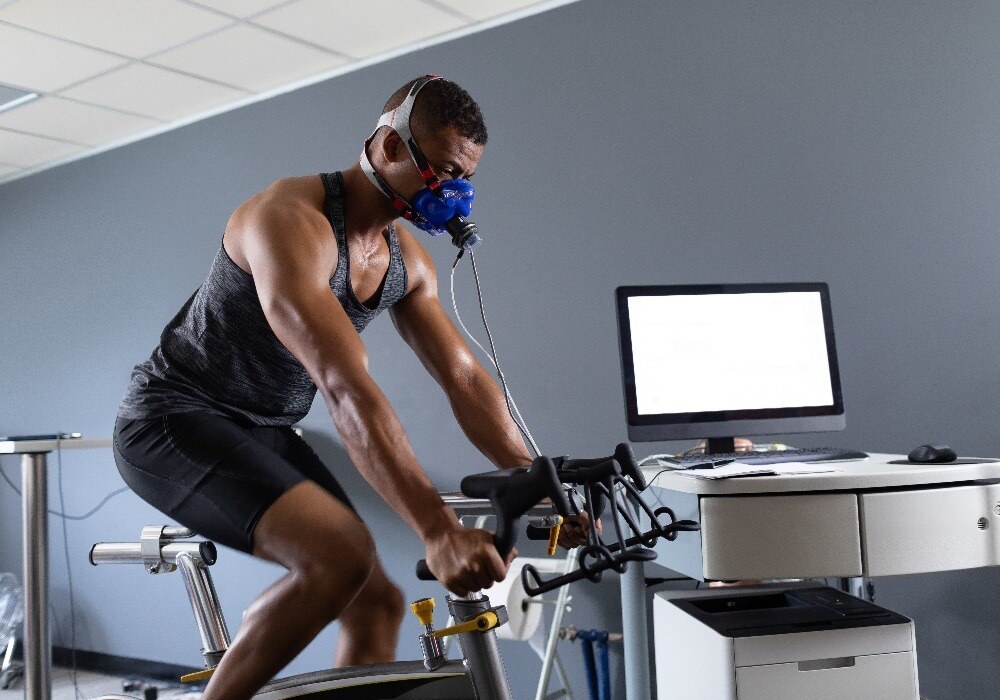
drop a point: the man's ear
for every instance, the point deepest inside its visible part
(392, 146)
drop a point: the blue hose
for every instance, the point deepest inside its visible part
(598, 674)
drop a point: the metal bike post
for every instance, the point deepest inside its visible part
(207, 611)
(637, 672)
(37, 647)
(481, 651)
(634, 631)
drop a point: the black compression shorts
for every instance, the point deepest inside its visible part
(213, 474)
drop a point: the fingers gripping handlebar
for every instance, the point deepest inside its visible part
(512, 493)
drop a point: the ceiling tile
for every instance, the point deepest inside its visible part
(478, 9)
(24, 150)
(64, 119)
(249, 57)
(130, 27)
(40, 63)
(240, 8)
(360, 28)
(155, 92)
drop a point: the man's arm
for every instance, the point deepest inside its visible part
(476, 399)
(289, 250)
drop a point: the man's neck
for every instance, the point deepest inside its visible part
(369, 212)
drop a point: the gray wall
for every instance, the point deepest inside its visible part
(639, 142)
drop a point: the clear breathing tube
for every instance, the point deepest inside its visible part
(512, 409)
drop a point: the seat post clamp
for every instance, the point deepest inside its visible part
(150, 545)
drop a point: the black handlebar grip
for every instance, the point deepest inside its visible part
(424, 571)
(630, 468)
(537, 532)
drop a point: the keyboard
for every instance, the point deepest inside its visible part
(814, 454)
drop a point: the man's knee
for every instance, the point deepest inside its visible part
(394, 602)
(332, 568)
(380, 600)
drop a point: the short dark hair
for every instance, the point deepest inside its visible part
(440, 104)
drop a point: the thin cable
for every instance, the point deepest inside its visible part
(86, 515)
(496, 357)
(519, 421)
(69, 571)
(512, 408)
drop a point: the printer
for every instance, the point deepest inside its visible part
(779, 642)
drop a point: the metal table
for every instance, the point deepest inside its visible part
(34, 519)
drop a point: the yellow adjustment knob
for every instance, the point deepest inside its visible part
(197, 676)
(483, 622)
(554, 535)
(424, 610)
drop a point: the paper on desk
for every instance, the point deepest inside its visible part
(736, 469)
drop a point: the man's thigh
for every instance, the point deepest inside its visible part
(207, 472)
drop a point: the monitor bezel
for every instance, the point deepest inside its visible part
(763, 421)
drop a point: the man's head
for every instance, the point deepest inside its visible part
(448, 127)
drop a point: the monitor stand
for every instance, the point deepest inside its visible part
(720, 445)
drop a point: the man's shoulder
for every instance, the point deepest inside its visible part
(287, 214)
(290, 196)
(418, 262)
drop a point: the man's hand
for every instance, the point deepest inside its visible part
(466, 560)
(573, 532)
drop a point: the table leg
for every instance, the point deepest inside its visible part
(859, 587)
(37, 647)
(637, 671)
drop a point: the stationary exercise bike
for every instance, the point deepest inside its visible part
(609, 484)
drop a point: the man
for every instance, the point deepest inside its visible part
(204, 433)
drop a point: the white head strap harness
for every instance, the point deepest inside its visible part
(398, 120)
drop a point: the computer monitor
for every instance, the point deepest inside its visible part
(718, 361)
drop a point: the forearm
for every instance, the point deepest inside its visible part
(377, 445)
(481, 411)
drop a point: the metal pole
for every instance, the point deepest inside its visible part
(481, 652)
(637, 671)
(34, 514)
(550, 645)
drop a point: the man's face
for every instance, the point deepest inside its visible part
(450, 155)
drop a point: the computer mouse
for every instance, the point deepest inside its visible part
(932, 454)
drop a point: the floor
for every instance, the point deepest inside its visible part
(95, 685)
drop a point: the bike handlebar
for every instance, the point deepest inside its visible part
(514, 492)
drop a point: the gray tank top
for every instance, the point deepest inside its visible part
(219, 353)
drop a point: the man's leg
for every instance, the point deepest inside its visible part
(330, 556)
(369, 626)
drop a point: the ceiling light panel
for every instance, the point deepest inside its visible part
(249, 57)
(37, 62)
(153, 92)
(479, 9)
(131, 27)
(360, 28)
(72, 121)
(25, 150)
(240, 8)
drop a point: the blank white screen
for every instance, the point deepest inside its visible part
(686, 362)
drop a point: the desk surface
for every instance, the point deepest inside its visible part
(11, 447)
(872, 473)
